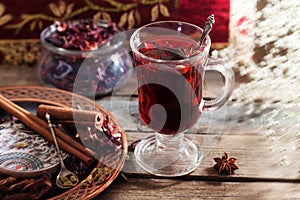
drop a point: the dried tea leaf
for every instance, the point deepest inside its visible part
(73, 178)
(83, 184)
(100, 179)
(96, 178)
(64, 179)
(94, 172)
(90, 178)
(68, 184)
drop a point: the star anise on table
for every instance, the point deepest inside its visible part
(225, 164)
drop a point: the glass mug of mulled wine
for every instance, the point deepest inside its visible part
(170, 72)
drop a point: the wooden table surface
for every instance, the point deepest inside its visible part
(262, 174)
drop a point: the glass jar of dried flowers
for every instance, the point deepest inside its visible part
(84, 56)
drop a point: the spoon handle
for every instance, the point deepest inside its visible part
(54, 138)
(207, 28)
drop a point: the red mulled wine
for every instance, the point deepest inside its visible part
(170, 86)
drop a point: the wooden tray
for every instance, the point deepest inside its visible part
(62, 98)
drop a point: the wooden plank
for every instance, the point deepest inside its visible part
(255, 158)
(18, 75)
(227, 129)
(166, 189)
(269, 169)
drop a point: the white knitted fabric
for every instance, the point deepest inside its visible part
(269, 54)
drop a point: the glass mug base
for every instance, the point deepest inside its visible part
(168, 155)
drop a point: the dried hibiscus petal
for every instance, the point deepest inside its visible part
(73, 46)
(82, 34)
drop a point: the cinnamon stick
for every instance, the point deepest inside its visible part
(39, 126)
(69, 115)
(79, 123)
(66, 138)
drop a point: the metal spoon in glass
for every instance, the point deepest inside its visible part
(65, 179)
(206, 30)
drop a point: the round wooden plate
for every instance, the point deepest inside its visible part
(53, 96)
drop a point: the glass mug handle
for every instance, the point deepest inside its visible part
(228, 74)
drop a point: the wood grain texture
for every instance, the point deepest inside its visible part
(18, 75)
(262, 172)
(254, 158)
(179, 189)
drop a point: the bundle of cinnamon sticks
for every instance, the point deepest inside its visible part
(69, 115)
(58, 114)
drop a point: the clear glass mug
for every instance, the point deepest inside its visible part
(170, 72)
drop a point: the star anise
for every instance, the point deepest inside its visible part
(225, 164)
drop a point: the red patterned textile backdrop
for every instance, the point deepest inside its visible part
(196, 12)
(21, 21)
